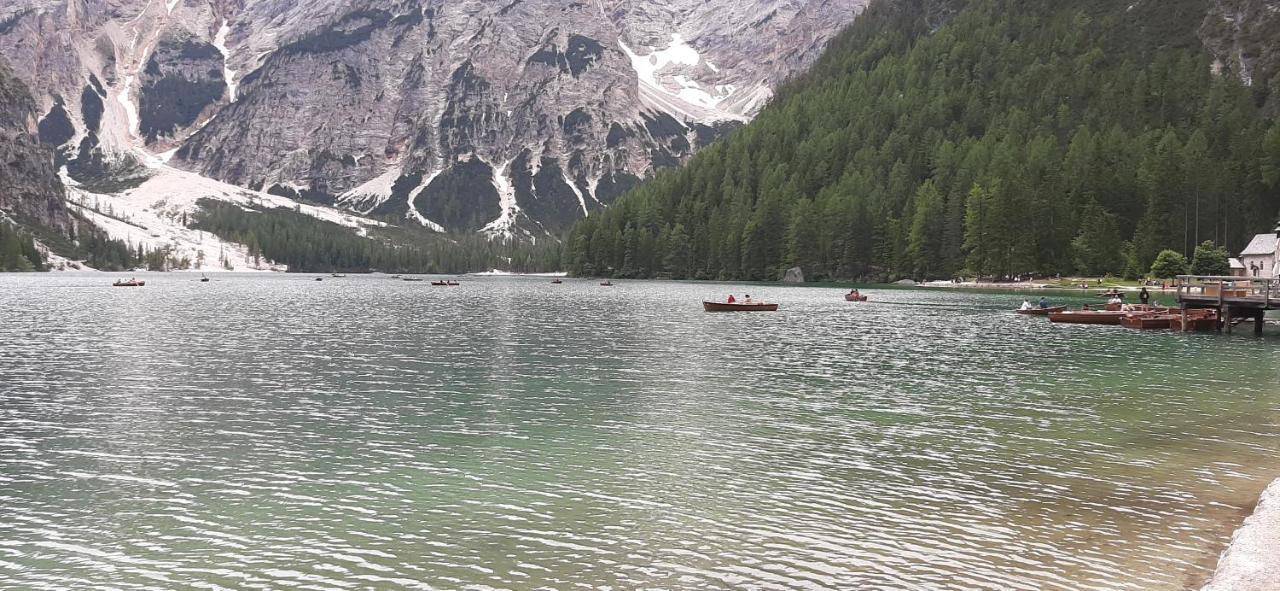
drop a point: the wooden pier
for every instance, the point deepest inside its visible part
(1235, 298)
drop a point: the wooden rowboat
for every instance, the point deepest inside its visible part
(723, 307)
(1041, 311)
(1087, 317)
(848, 297)
(1145, 321)
(129, 283)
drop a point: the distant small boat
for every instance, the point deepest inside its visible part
(129, 283)
(1041, 311)
(724, 307)
(319, 278)
(339, 275)
(848, 297)
(606, 284)
(556, 282)
(445, 283)
(414, 279)
(204, 279)
(395, 276)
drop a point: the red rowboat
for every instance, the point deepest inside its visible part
(1041, 311)
(129, 283)
(1143, 321)
(848, 297)
(723, 307)
(1087, 317)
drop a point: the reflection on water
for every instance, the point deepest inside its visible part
(268, 432)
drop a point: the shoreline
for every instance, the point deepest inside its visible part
(1033, 286)
(1251, 561)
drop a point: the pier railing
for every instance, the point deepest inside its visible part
(1225, 290)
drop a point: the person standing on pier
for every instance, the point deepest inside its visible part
(1144, 296)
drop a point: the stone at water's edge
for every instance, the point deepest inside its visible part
(794, 275)
(1252, 561)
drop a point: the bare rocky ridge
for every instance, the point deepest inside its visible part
(30, 192)
(513, 117)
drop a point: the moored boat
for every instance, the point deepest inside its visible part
(724, 307)
(1106, 317)
(129, 283)
(1041, 311)
(1197, 320)
(1146, 321)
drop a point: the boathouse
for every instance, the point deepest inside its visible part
(1262, 257)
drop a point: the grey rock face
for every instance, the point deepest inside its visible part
(30, 192)
(1240, 34)
(513, 117)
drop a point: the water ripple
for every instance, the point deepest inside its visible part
(274, 432)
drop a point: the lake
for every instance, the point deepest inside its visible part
(270, 431)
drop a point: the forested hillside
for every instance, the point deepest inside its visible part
(993, 137)
(307, 244)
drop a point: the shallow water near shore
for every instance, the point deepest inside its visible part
(270, 431)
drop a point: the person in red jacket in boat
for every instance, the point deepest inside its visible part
(732, 300)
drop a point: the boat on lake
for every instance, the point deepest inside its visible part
(1105, 317)
(1041, 311)
(129, 283)
(203, 278)
(445, 283)
(339, 275)
(606, 284)
(556, 282)
(1147, 321)
(1197, 320)
(738, 307)
(850, 297)
(1112, 315)
(414, 279)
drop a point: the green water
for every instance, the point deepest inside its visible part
(266, 432)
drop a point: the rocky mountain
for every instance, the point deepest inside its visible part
(513, 118)
(30, 191)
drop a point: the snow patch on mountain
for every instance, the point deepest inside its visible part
(665, 84)
(503, 227)
(155, 215)
(372, 193)
(220, 42)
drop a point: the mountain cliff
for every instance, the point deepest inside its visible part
(514, 118)
(30, 192)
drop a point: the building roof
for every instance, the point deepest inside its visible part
(1235, 263)
(1262, 244)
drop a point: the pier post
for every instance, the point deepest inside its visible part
(1258, 320)
(1226, 319)
(1184, 318)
